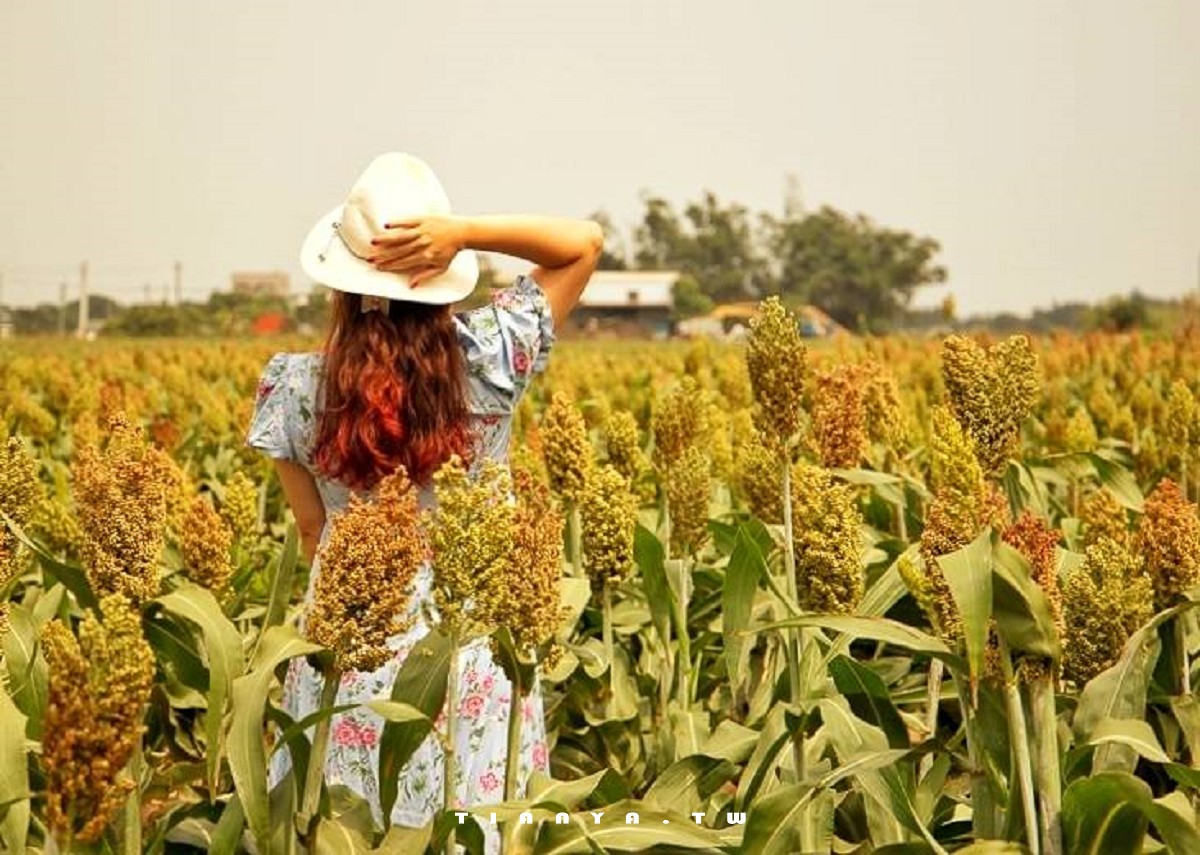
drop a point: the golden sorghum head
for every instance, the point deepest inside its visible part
(1105, 599)
(1179, 423)
(1034, 539)
(566, 448)
(239, 508)
(19, 495)
(963, 505)
(99, 688)
(827, 537)
(720, 446)
(1168, 539)
(609, 515)
(624, 446)
(530, 601)
(839, 415)
(920, 585)
(1080, 434)
(1103, 516)
(681, 420)
(759, 480)
(688, 486)
(206, 543)
(775, 358)
(471, 540)
(121, 495)
(992, 392)
(364, 584)
(881, 396)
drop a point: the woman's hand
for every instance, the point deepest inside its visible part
(421, 247)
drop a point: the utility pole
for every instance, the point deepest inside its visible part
(81, 332)
(147, 298)
(178, 283)
(62, 308)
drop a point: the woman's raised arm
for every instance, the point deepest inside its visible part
(564, 250)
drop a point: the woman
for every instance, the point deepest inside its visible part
(404, 381)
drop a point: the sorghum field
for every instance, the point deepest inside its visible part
(862, 596)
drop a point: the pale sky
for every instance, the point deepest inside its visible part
(1052, 147)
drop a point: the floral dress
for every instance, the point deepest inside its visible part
(506, 343)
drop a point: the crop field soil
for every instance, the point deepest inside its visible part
(862, 595)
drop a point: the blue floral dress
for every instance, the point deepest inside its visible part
(506, 343)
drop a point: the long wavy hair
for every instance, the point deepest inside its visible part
(394, 393)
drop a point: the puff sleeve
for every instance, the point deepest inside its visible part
(270, 426)
(507, 342)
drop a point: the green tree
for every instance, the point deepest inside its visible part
(714, 243)
(862, 274)
(689, 299)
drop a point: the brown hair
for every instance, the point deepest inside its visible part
(394, 393)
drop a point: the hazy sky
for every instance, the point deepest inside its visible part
(1052, 147)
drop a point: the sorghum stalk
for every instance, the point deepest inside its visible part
(1019, 738)
(576, 535)
(512, 760)
(933, 697)
(1049, 775)
(983, 807)
(320, 746)
(793, 634)
(133, 805)
(607, 630)
(449, 752)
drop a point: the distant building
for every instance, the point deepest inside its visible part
(269, 283)
(732, 320)
(627, 302)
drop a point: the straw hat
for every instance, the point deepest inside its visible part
(394, 186)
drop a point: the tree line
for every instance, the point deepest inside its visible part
(861, 273)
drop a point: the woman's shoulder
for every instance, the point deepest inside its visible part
(293, 372)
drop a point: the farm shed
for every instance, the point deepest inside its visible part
(732, 320)
(626, 302)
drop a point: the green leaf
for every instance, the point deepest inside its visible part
(227, 833)
(1118, 479)
(333, 838)
(686, 785)
(420, 682)
(783, 822)
(1119, 692)
(1107, 814)
(1135, 733)
(869, 698)
(603, 787)
(1020, 606)
(746, 566)
(28, 674)
(650, 558)
(247, 754)
(281, 582)
(14, 776)
(223, 644)
(876, 629)
(968, 573)
(405, 841)
(762, 760)
(730, 741)
(71, 576)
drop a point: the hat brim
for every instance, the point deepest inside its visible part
(330, 262)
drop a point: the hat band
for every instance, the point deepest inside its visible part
(337, 232)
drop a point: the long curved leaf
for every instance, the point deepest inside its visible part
(14, 776)
(223, 645)
(420, 682)
(247, 753)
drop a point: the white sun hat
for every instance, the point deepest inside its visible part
(394, 186)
